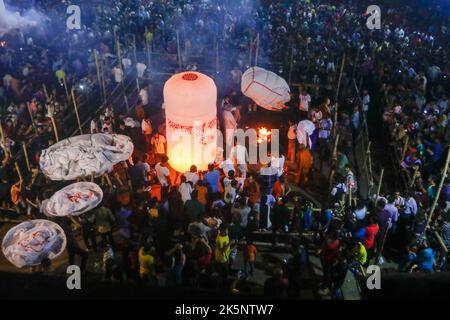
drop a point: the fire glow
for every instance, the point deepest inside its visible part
(263, 135)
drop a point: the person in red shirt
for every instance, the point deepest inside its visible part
(329, 253)
(371, 232)
(250, 257)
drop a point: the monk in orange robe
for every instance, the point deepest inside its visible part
(304, 161)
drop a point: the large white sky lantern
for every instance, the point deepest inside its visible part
(265, 88)
(191, 120)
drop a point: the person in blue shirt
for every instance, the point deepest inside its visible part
(212, 179)
(359, 235)
(425, 259)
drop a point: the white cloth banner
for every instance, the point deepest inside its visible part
(28, 243)
(79, 156)
(73, 200)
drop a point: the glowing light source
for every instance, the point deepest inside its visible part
(191, 120)
(264, 135)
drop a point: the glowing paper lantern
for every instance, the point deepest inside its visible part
(191, 120)
(265, 88)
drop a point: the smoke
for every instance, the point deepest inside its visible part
(10, 18)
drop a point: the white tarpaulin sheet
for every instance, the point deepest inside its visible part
(265, 88)
(79, 156)
(28, 243)
(73, 200)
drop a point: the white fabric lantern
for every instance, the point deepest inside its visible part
(265, 88)
(80, 156)
(190, 100)
(30, 242)
(73, 200)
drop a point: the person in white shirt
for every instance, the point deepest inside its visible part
(230, 192)
(360, 212)
(365, 101)
(140, 68)
(118, 74)
(147, 129)
(226, 166)
(163, 175)
(239, 156)
(143, 95)
(399, 201)
(7, 80)
(277, 162)
(185, 189)
(230, 126)
(191, 175)
(305, 99)
(410, 206)
(126, 63)
(94, 126)
(158, 143)
(331, 67)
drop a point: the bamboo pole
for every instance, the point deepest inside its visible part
(147, 49)
(45, 92)
(291, 65)
(25, 152)
(75, 108)
(66, 89)
(379, 184)
(369, 157)
(340, 78)
(119, 58)
(18, 171)
(438, 194)
(99, 75)
(4, 141)
(336, 143)
(441, 242)
(350, 193)
(217, 56)
(135, 62)
(257, 50)
(2, 134)
(337, 94)
(405, 148)
(31, 117)
(134, 49)
(414, 177)
(366, 156)
(108, 180)
(178, 51)
(55, 130)
(102, 72)
(115, 35)
(250, 53)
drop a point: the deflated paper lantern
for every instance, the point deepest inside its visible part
(191, 120)
(265, 88)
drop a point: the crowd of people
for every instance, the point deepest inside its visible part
(197, 228)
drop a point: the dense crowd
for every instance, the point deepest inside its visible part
(197, 228)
